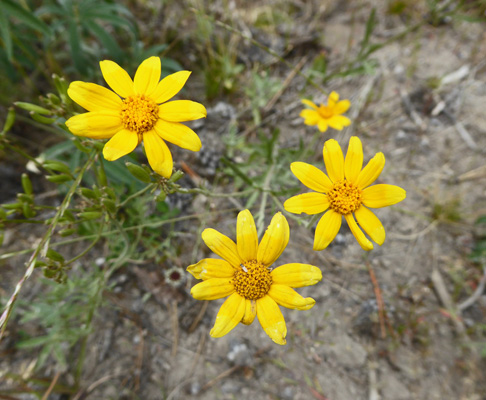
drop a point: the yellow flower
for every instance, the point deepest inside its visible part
(346, 192)
(137, 110)
(325, 116)
(254, 289)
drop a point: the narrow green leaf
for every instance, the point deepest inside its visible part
(138, 172)
(370, 25)
(5, 33)
(32, 107)
(27, 17)
(33, 342)
(75, 47)
(106, 40)
(9, 121)
(236, 170)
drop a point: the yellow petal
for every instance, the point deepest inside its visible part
(372, 171)
(289, 298)
(358, 233)
(311, 117)
(332, 99)
(327, 229)
(311, 176)
(370, 224)
(147, 76)
(311, 120)
(95, 124)
(121, 144)
(250, 312)
(342, 106)
(94, 97)
(117, 78)
(322, 125)
(178, 134)
(212, 289)
(170, 86)
(308, 203)
(271, 319)
(354, 159)
(222, 245)
(158, 154)
(274, 240)
(230, 314)
(338, 122)
(309, 103)
(181, 110)
(296, 275)
(383, 195)
(246, 236)
(334, 160)
(211, 268)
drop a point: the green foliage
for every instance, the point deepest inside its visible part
(260, 90)
(219, 53)
(447, 211)
(478, 253)
(63, 313)
(79, 33)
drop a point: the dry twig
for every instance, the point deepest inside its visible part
(446, 300)
(477, 293)
(51, 386)
(379, 300)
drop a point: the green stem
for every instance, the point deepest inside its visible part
(263, 204)
(139, 193)
(156, 224)
(43, 246)
(122, 258)
(208, 193)
(91, 245)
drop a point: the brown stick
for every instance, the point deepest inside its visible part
(285, 84)
(224, 374)
(199, 317)
(379, 300)
(51, 386)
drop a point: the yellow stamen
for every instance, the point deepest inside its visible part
(344, 197)
(139, 114)
(252, 281)
(325, 111)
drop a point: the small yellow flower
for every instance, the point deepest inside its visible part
(325, 116)
(244, 274)
(346, 192)
(137, 111)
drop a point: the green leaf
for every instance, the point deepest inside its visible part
(59, 355)
(33, 342)
(5, 33)
(75, 47)
(115, 20)
(370, 25)
(154, 50)
(25, 16)
(106, 40)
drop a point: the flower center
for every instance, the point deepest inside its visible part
(325, 111)
(252, 281)
(139, 113)
(345, 197)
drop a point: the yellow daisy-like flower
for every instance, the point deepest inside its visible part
(329, 115)
(137, 110)
(346, 192)
(244, 274)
